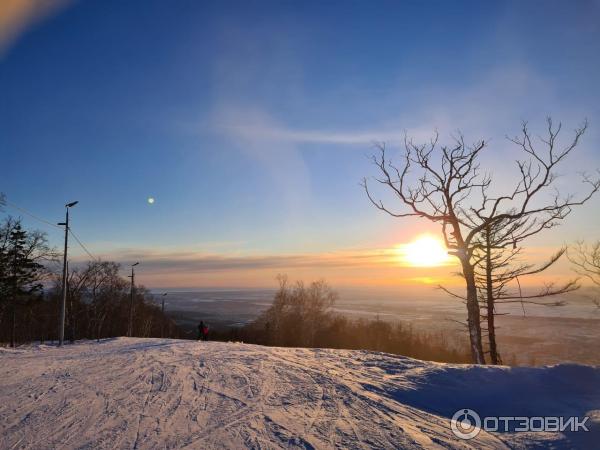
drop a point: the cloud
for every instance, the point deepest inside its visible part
(191, 269)
(281, 160)
(189, 261)
(17, 16)
(344, 268)
(489, 108)
(497, 102)
(264, 131)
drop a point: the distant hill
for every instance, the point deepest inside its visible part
(161, 393)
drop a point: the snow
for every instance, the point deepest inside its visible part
(161, 393)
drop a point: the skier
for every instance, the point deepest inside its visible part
(205, 332)
(200, 330)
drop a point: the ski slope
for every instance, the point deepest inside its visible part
(158, 393)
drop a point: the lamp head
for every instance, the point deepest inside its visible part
(70, 205)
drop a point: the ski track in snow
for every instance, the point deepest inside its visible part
(134, 393)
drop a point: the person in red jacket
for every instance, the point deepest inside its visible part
(202, 331)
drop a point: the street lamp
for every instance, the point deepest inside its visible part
(61, 331)
(132, 276)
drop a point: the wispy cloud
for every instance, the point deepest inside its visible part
(179, 269)
(274, 133)
(496, 103)
(352, 267)
(191, 261)
(17, 16)
(282, 160)
(489, 108)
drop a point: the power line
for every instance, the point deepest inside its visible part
(81, 245)
(47, 222)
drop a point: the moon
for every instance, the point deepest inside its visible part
(150, 200)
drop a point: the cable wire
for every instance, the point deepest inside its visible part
(47, 222)
(82, 246)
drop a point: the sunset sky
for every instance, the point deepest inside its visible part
(250, 125)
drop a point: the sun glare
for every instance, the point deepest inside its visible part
(425, 251)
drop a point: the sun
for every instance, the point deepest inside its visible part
(425, 251)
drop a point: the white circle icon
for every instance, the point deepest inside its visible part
(465, 424)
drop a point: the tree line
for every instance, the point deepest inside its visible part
(98, 298)
(303, 316)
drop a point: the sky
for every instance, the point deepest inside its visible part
(250, 124)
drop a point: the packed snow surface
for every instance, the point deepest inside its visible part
(160, 393)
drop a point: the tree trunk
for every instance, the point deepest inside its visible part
(489, 287)
(473, 315)
(100, 323)
(13, 312)
(494, 356)
(13, 325)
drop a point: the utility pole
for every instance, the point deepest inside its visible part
(14, 298)
(63, 304)
(132, 276)
(162, 326)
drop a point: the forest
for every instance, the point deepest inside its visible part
(99, 299)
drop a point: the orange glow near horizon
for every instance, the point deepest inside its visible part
(424, 251)
(420, 263)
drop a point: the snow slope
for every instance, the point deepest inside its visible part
(161, 393)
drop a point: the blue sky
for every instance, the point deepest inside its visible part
(250, 122)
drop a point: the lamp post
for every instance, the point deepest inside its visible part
(61, 330)
(132, 276)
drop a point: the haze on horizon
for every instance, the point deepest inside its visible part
(222, 143)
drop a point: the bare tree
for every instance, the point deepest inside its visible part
(77, 286)
(499, 270)
(449, 189)
(291, 319)
(586, 260)
(104, 282)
